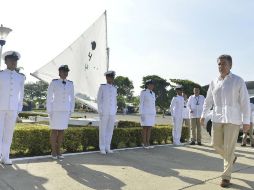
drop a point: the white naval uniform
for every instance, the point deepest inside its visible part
(107, 108)
(11, 102)
(176, 109)
(147, 108)
(60, 103)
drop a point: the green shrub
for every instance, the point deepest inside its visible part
(127, 124)
(73, 138)
(90, 138)
(31, 139)
(27, 114)
(160, 134)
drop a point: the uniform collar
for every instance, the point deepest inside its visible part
(227, 76)
(8, 70)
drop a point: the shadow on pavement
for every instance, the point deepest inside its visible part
(12, 177)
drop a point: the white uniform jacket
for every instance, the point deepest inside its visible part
(195, 104)
(60, 96)
(186, 111)
(147, 103)
(11, 90)
(176, 106)
(230, 100)
(106, 99)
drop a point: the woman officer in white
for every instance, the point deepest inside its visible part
(60, 105)
(147, 111)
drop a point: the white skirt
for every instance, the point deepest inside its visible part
(147, 120)
(59, 120)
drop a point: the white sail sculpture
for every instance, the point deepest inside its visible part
(87, 59)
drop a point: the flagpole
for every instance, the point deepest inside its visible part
(107, 48)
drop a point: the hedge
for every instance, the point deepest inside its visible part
(31, 139)
(27, 114)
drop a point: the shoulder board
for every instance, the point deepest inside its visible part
(70, 81)
(103, 84)
(21, 74)
(1, 70)
(54, 79)
(143, 90)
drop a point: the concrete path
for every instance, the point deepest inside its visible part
(164, 167)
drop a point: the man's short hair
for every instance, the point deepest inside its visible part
(227, 57)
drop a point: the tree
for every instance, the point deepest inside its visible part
(125, 86)
(188, 86)
(161, 92)
(121, 102)
(124, 90)
(36, 91)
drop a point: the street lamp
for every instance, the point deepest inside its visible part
(3, 34)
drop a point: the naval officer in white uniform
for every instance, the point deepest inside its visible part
(107, 108)
(11, 102)
(60, 105)
(147, 111)
(176, 109)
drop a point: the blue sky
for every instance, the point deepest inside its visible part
(169, 38)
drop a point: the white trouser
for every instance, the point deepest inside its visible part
(7, 124)
(106, 128)
(177, 129)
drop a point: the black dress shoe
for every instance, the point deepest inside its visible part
(225, 183)
(199, 143)
(192, 143)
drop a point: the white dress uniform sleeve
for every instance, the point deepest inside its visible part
(21, 94)
(141, 102)
(245, 103)
(50, 96)
(189, 103)
(99, 99)
(72, 98)
(208, 103)
(172, 106)
(116, 102)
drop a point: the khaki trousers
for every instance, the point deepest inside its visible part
(224, 139)
(196, 130)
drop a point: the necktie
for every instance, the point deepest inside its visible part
(64, 82)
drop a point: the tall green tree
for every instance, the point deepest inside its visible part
(124, 86)
(188, 86)
(161, 92)
(36, 91)
(124, 90)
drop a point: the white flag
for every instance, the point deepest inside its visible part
(87, 59)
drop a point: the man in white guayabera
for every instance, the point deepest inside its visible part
(107, 107)
(230, 100)
(195, 105)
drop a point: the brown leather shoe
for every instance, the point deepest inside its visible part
(225, 183)
(235, 159)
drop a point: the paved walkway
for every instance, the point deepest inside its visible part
(164, 167)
